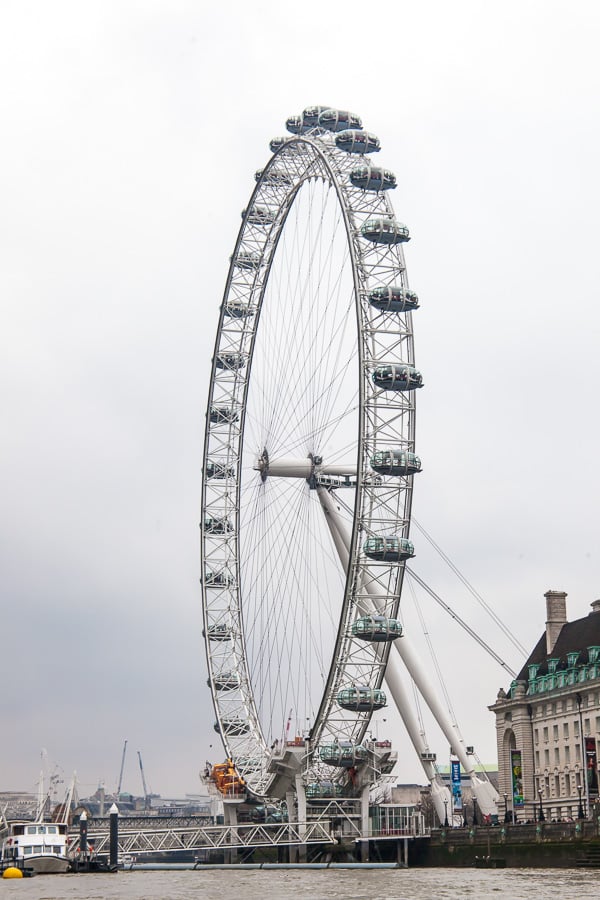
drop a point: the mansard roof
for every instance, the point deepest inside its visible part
(573, 636)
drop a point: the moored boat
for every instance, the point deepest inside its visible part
(41, 846)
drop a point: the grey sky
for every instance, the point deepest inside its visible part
(131, 132)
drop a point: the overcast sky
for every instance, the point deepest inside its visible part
(130, 135)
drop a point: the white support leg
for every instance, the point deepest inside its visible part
(487, 797)
(440, 794)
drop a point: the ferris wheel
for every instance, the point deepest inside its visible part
(309, 453)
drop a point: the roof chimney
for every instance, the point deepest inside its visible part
(556, 617)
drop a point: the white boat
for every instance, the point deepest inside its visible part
(41, 846)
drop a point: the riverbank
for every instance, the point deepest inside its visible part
(535, 845)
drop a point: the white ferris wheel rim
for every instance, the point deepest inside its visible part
(380, 506)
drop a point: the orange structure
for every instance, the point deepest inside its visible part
(227, 780)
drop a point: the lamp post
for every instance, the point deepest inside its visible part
(474, 810)
(446, 823)
(580, 814)
(506, 819)
(541, 817)
(579, 700)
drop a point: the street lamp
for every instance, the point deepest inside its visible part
(580, 814)
(541, 817)
(506, 819)
(446, 823)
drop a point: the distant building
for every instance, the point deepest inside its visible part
(18, 804)
(548, 723)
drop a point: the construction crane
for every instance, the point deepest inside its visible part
(146, 794)
(122, 767)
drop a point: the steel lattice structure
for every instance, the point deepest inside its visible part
(316, 315)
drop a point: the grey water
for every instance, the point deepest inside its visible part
(390, 884)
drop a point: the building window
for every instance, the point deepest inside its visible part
(576, 728)
(556, 756)
(546, 733)
(586, 726)
(556, 786)
(555, 732)
(597, 723)
(577, 753)
(537, 759)
(567, 754)
(536, 735)
(546, 757)
(566, 731)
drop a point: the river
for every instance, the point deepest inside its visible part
(390, 884)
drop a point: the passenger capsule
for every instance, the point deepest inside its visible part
(219, 470)
(218, 579)
(237, 309)
(247, 259)
(219, 632)
(231, 361)
(293, 147)
(297, 125)
(217, 525)
(273, 176)
(311, 114)
(234, 726)
(376, 629)
(339, 120)
(324, 790)
(305, 122)
(397, 378)
(357, 142)
(395, 462)
(258, 215)
(385, 230)
(393, 299)
(372, 178)
(359, 698)
(226, 681)
(343, 753)
(388, 549)
(220, 415)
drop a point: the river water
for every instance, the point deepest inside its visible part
(359, 884)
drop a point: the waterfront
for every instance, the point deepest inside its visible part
(397, 884)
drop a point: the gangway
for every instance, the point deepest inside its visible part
(202, 837)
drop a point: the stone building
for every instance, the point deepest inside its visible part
(548, 724)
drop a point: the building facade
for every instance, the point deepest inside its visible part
(548, 723)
